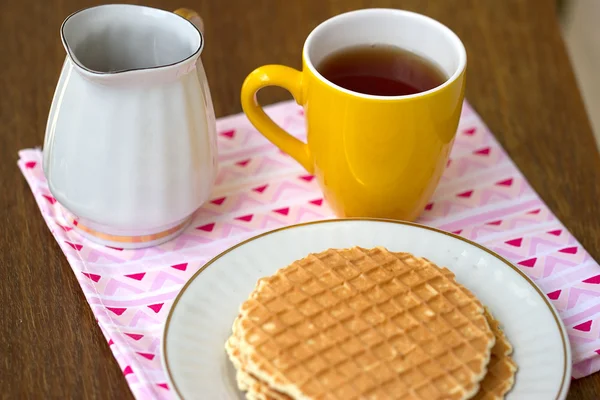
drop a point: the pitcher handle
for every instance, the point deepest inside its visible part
(191, 16)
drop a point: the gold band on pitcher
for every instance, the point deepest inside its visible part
(129, 239)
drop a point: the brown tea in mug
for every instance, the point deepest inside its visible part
(381, 70)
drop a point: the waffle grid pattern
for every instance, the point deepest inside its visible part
(258, 390)
(365, 322)
(501, 369)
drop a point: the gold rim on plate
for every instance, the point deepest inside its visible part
(326, 221)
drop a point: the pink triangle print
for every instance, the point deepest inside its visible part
(135, 336)
(481, 196)
(50, 199)
(260, 189)
(75, 246)
(93, 277)
(554, 295)
(180, 267)
(505, 182)
(218, 201)
(594, 280)
(584, 327)
(283, 211)
(307, 178)
(515, 242)
(156, 307)
(207, 227)
(528, 263)
(147, 356)
(569, 250)
(483, 152)
(138, 277)
(229, 134)
(117, 310)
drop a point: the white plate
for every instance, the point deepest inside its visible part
(200, 320)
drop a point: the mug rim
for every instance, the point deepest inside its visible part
(459, 47)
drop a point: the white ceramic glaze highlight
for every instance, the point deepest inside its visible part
(130, 146)
(201, 317)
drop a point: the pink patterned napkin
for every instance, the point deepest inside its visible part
(482, 196)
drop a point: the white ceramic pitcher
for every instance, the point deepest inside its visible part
(130, 147)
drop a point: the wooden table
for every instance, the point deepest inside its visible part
(519, 80)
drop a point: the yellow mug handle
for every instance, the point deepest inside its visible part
(191, 16)
(291, 80)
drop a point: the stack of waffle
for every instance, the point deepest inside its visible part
(367, 324)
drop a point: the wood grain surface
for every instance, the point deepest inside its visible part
(519, 80)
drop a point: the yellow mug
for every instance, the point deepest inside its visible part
(373, 156)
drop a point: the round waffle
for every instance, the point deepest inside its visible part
(497, 382)
(501, 370)
(361, 323)
(255, 389)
